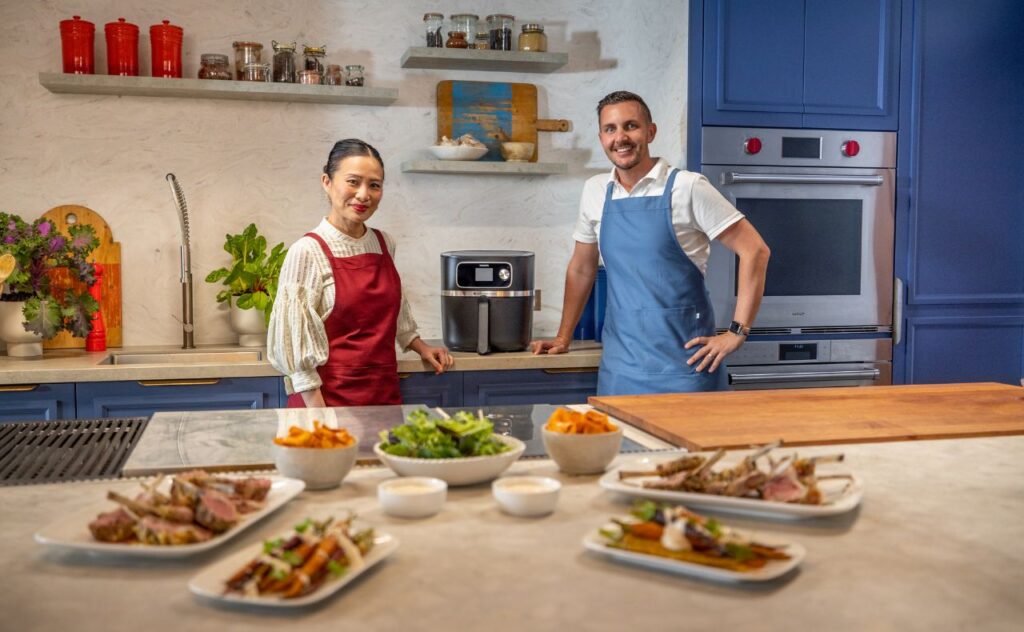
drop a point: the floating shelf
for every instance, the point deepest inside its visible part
(488, 167)
(472, 59)
(212, 89)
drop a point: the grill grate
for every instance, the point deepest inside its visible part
(54, 451)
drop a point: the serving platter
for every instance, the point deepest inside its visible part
(71, 532)
(840, 496)
(209, 583)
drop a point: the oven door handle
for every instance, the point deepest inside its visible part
(733, 177)
(805, 376)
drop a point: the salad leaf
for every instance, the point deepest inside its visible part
(426, 437)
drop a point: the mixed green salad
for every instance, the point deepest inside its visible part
(426, 437)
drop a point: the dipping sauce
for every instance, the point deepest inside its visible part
(410, 487)
(526, 487)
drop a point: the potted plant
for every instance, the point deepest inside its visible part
(251, 283)
(32, 307)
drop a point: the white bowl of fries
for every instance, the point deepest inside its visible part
(321, 458)
(581, 442)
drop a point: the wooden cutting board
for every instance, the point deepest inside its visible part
(739, 419)
(492, 112)
(109, 254)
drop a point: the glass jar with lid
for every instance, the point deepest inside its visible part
(312, 58)
(332, 77)
(500, 26)
(482, 41)
(214, 66)
(246, 53)
(434, 22)
(256, 72)
(354, 75)
(456, 39)
(533, 38)
(284, 62)
(464, 23)
(309, 77)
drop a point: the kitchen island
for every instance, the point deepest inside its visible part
(937, 543)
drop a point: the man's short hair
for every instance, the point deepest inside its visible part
(623, 96)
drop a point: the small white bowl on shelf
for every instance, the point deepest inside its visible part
(517, 152)
(526, 496)
(320, 468)
(412, 496)
(457, 152)
(467, 470)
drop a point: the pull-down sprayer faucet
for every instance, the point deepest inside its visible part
(187, 325)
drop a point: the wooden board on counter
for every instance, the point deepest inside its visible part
(739, 419)
(109, 254)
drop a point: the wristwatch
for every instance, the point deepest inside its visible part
(739, 329)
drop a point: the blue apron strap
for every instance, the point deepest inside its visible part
(666, 196)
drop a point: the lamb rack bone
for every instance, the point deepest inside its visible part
(173, 513)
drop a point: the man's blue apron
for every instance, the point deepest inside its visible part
(656, 301)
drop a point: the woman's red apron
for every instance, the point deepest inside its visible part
(361, 367)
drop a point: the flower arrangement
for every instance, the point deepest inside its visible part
(38, 248)
(252, 278)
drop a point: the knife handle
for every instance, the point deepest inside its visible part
(553, 125)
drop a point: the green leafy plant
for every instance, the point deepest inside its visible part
(252, 278)
(38, 250)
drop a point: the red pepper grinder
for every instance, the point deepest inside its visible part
(165, 42)
(97, 338)
(122, 48)
(76, 39)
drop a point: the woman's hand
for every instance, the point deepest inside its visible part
(714, 350)
(558, 345)
(437, 357)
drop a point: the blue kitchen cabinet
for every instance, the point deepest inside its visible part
(430, 389)
(32, 402)
(530, 386)
(829, 64)
(960, 193)
(143, 398)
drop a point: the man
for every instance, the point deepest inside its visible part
(653, 225)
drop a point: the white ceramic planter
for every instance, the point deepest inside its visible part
(20, 343)
(249, 325)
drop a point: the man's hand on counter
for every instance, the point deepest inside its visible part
(557, 345)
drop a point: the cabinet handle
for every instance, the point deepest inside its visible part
(897, 312)
(18, 388)
(579, 369)
(200, 382)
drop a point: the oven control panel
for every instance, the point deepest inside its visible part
(797, 147)
(759, 353)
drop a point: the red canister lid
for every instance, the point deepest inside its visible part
(121, 28)
(166, 31)
(77, 26)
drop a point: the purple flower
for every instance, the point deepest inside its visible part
(44, 228)
(12, 226)
(57, 243)
(9, 239)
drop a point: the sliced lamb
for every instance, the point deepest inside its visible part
(215, 511)
(183, 492)
(153, 530)
(784, 488)
(113, 526)
(252, 488)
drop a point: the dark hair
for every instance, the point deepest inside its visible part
(350, 147)
(622, 96)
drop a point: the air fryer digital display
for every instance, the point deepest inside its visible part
(483, 275)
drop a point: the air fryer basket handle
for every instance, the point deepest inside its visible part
(483, 316)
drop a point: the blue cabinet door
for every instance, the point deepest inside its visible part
(431, 390)
(37, 402)
(534, 386)
(142, 399)
(960, 193)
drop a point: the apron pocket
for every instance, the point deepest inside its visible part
(666, 331)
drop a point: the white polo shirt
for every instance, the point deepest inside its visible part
(699, 212)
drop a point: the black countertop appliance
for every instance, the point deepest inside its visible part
(487, 300)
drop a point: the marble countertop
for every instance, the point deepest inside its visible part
(75, 365)
(936, 544)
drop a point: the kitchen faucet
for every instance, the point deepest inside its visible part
(187, 325)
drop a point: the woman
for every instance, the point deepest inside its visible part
(339, 306)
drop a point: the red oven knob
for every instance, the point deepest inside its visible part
(752, 145)
(851, 148)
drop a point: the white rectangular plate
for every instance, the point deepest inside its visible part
(209, 583)
(72, 532)
(594, 541)
(837, 501)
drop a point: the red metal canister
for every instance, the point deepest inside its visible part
(76, 40)
(165, 41)
(122, 48)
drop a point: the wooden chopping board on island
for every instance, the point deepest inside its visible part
(109, 254)
(816, 416)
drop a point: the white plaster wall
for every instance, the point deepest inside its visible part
(245, 161)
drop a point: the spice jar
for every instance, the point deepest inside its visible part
(214, 66)
(433, 23)
(284, 62)
(333, 76)
(76, 41)
(165, 43)
(256, 72)
(309, 77)
(122, 48)
(464, 23)
(312, 58)
(354, 75)
(456, 39)
(246, 53)
(533, 38)
(482, 41)
(500, 26)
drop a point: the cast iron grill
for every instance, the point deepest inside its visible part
(54, 451)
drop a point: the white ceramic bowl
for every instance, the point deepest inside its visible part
(526, 495)
(457, 152)
(320, 468)
(517, 152)
(412, 496)
(582, 453)
(463, 471)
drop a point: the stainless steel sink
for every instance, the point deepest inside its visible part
(197, 357)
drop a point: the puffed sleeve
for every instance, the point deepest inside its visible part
(296, 338)
(407, 328)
